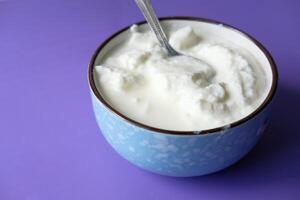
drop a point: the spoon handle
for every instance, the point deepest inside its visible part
(150, 16)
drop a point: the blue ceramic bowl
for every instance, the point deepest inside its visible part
(176, 153)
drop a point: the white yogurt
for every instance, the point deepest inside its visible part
(139, 80)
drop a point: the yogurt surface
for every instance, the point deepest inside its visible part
(138, 79)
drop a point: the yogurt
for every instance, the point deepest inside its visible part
(180, 93)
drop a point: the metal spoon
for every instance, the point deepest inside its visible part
(150, 16)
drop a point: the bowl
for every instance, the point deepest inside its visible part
(184, 153)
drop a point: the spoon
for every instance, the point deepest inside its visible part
(150, 16)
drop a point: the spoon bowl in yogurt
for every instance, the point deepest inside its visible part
(151, 17)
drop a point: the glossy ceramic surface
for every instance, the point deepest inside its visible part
(178, 155)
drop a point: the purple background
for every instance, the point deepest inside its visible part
(50, 145)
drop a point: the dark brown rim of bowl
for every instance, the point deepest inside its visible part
(201, 132)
